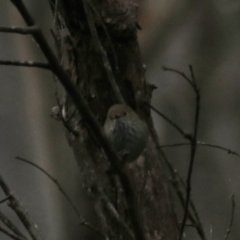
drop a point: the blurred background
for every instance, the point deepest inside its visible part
(205, 34)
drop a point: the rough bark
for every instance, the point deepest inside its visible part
(116, 25)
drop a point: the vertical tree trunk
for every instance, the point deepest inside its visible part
(116, 26)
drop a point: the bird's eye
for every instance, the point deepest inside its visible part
(124, 113)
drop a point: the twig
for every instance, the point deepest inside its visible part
(102, 53)
(192, 205)
(193, 78)
(17, 207)
(231, 219)
(19, 30)
(190, 81)
(25, 64)
(204, 144)
(11, 235)
(175, 182)
(186, 135)
(192, 139)
(11, 225)
(4, 200)
(193, 150)
(55, 181)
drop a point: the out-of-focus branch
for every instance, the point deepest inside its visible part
(4, 200)
(26, 64)
(17, 207)
(11, 225)
(10, 234)
(19, 30)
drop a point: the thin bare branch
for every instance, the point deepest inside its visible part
(193, 80)
(17, 207)
(231, 219)
(193, 151)
(8, 223)
(26, 64)
(181, 74)
(10, 234)
(196, 215)
(63, 192)
(19, 30)
(179, 129)
(4, 200)
(204, 144)
(176, 179)
(192, 139)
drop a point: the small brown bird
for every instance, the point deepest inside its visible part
(126, 132)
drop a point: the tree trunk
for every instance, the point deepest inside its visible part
(116, 27)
